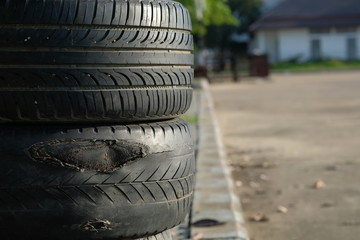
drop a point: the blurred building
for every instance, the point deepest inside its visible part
(243, 39)
(302, 30)
(269, 4)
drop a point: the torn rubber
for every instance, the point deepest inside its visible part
(88, 154)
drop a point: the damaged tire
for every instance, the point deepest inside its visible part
(127, 181)
(94, 61)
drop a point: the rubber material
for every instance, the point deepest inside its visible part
(109, 95)
(134, 175)
(146, 13)
(86, 54)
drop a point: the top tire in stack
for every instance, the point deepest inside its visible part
(90, 91)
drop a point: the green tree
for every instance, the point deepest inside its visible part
(215, 20)
(205, 13)
(246, 11)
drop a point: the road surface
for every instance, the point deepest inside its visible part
(293, 143)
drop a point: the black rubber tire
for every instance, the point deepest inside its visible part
(94, 61)
(126, 181)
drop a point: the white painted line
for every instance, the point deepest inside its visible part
(232, 214)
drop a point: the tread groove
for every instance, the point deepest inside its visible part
(123, 193)
(86, 195)
(67, 195)
(103, 192)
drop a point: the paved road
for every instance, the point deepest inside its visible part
(286, 134)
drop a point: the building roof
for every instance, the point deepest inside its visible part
(310, 13)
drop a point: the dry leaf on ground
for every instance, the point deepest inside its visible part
(198, 236)
(282, 209)
(259, 217)
(331, 168)
(328, 204)
(319, 184)
(238, 183)
(264, 177)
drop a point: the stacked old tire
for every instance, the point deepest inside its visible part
(91, 143)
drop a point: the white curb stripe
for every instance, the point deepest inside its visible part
(230, 202)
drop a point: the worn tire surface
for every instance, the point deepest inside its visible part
(127, 181)
(94, 61)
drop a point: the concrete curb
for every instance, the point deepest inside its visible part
(214, 196)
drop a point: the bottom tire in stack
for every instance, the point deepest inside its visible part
(94, 182)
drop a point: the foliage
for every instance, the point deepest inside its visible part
(216, 12)
(190, 119)
(214, 21)
(327, 64)
(247, 11)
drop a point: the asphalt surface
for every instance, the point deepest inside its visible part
(292, 143)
